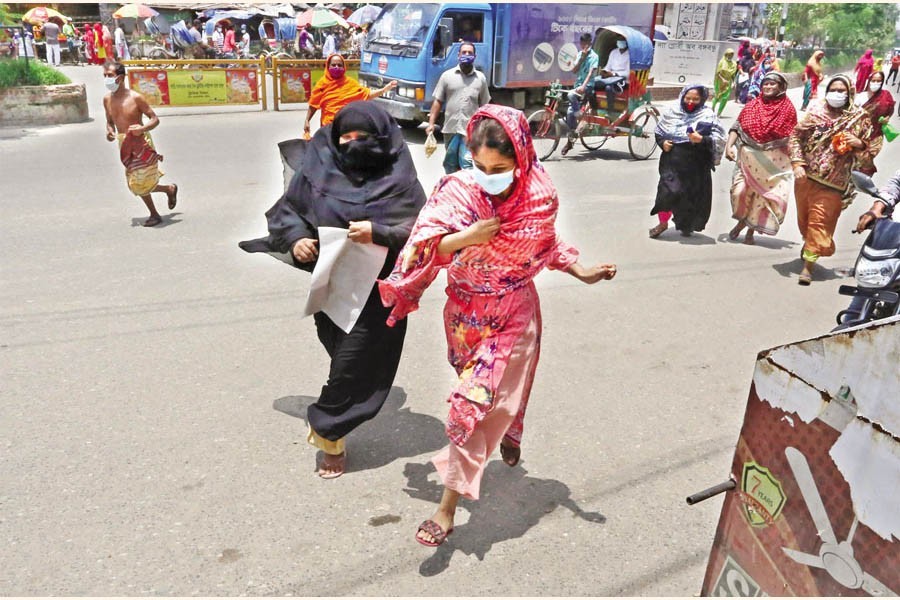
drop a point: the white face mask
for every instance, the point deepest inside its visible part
(111, 83)
(876, 86)
(621, 45)
(493, 184)
(836, 99)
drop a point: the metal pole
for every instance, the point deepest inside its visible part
(781, 25)
(710, 492)
(275, 86)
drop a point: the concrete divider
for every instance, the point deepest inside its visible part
(35, 105)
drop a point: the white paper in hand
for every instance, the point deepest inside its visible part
(343, 278)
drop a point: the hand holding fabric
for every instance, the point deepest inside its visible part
(360, 232)
(305, 250)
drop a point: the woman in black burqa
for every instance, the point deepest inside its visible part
(357, 174)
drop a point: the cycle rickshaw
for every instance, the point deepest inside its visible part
(632, 116)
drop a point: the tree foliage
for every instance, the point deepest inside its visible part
(840, 25)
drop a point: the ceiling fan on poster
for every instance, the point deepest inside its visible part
(834, 557)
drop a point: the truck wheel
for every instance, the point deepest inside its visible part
(409, 123)
(545, 132)
(642, 137)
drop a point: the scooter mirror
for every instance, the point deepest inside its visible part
(864, 183)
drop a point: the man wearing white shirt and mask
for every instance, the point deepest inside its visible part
(615, 72)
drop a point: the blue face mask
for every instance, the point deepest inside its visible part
(621, 44)
(492, 184)
(466, 59)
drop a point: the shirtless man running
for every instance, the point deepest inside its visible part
(125, 110)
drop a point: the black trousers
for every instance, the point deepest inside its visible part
(363, 365)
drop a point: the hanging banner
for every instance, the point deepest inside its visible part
(196, 87)
(817, 468)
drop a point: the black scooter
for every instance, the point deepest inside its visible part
(876, 294)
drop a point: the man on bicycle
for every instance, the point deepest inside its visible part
(588, 61)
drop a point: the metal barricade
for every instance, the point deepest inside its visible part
(293, 79)
(199, 82)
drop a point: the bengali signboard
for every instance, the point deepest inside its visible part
(196, 87)
(817, 467)
(683, 62)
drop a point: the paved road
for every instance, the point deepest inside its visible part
(153, 382)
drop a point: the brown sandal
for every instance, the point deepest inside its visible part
(655, 232)
(153, 221)
(173, 197)
(435, 530)
(510, 454)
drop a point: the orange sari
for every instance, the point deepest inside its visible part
(331, 95)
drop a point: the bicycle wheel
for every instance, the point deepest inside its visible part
(642, 137)
(592, 138)
(544, 133)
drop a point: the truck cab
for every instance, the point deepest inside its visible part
(415, 43)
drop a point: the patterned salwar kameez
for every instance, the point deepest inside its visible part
(492, 317)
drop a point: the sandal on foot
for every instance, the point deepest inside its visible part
(335, 474)
(510, 454)
(173, 197)
(735, 232)
(749, 240)
(655, 232)
(435, 530)
(153, 221)
(805, 279)
(569, 145)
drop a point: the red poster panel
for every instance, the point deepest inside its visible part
(242, 86)
(295, 85)
(815, 511)
(152, 84)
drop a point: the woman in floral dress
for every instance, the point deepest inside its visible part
(493, 229)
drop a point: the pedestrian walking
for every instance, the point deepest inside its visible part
(71, 35)
(108, 42)
(125, 111)
(245, 42)
(50, 31)
(585, 68)
(335, 90)
(87, 39)
(895, 67)
(763, 69)
(726, 71)
(863, 70)
(122, 50)
(100, 54)
(879, 103)
(824, 147)
(460, 91)
(812, 77)
(329, 47)
(692, 140)
(493, 228)
(758, 141)
(747, 65)
(358, 174)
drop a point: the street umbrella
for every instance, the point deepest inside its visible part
(364, 15)
(134, 11)
(320, 17)
(39, 15)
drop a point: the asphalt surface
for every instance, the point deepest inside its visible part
(154, 382)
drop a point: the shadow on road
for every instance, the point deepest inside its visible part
(793, 267)
(167, 220)
(396, 432)
(511, 503)
(696, 239)
(769, 242)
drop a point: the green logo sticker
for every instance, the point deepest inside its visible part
(762, 495)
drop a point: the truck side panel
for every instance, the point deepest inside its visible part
(542, 39)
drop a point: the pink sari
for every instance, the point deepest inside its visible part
(492, 303)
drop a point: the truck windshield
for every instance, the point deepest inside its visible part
(401, 28)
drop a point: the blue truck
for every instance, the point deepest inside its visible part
(520, 48)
